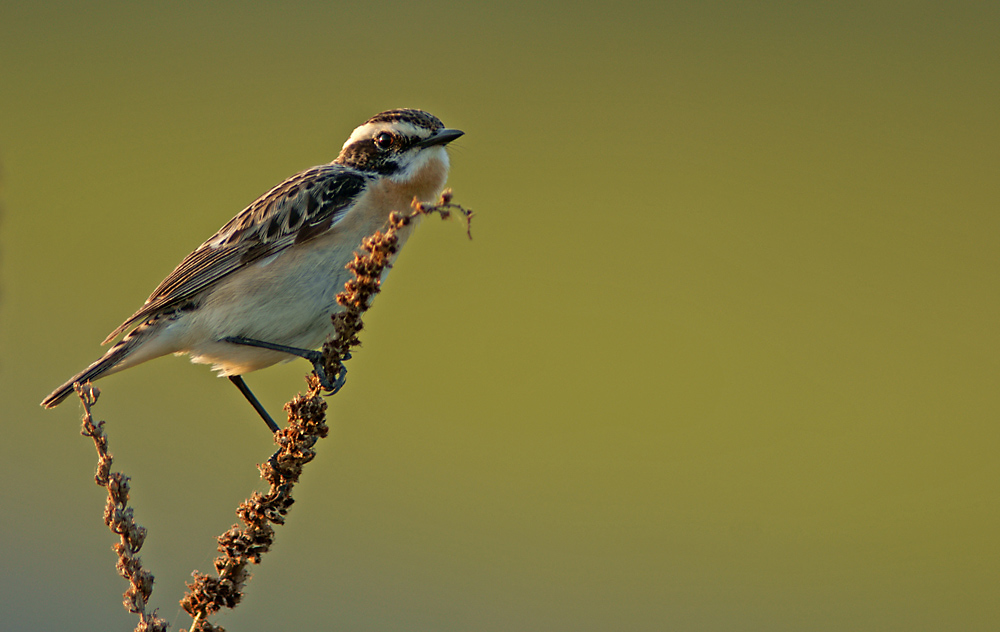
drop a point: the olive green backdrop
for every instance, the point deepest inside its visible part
(722, 355)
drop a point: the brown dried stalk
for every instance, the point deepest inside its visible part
(118, 516)
(242, 546)
(306, 425)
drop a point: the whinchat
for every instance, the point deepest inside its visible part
(262, 289)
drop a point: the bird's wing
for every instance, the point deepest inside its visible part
(302, 207)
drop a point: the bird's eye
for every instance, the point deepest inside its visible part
(383, 140)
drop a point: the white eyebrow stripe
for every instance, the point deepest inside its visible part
(369, 130)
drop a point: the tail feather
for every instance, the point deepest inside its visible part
(106, 365)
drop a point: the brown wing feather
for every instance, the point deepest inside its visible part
(300, 208)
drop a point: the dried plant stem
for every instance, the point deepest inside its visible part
(118, 516)
(306, 425)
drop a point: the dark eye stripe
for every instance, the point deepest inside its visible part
(364, 155)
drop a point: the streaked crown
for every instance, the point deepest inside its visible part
(393, 142)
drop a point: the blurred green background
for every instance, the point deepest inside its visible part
(722, 355)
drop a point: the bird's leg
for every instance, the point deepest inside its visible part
(313, 356)
(240, 384)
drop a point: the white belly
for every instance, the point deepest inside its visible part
(286, 301)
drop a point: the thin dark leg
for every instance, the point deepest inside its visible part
(240, 384)
(313, 356)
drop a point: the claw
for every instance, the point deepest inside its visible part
(341, 377)
(315, 357)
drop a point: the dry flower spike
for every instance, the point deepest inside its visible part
(118, 516)
(306, 425)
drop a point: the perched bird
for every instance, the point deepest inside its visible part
(262, 289)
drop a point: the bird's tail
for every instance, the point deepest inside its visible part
(110, 362)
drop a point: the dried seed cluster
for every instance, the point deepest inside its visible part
(306, 425)
(118, 516)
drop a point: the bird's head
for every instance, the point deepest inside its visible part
(398, 144)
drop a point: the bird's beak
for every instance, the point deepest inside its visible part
(440, 137)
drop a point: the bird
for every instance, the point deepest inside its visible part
(263, 288)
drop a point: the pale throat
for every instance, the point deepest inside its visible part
(427, 180)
